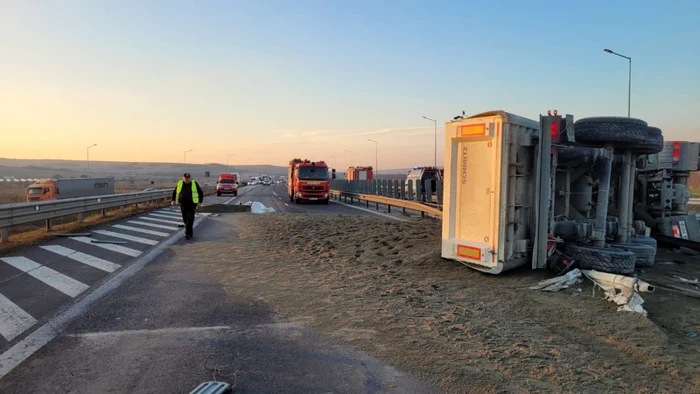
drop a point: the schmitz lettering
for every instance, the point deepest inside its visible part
(465, 159)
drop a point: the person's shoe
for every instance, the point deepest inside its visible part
(187, 237)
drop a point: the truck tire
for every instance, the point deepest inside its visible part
(653, 144)
(624, 133)
(235, 194)
(644, 254)
(614, 261)
(326, 201)
(643, 240)
(218, 194)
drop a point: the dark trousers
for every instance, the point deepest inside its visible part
(188, 218)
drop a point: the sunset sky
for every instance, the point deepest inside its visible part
(268, 81)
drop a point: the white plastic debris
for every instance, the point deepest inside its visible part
(560, 282)
(258, 207)
(622, 290)
(688, 281)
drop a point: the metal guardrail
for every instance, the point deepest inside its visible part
(424, 197)
(23, 213)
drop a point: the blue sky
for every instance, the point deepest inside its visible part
(267, 80)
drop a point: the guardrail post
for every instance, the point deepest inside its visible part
(402, 191)
(419, 191)
(81, 217)
(49, 225)
(4, 235)
(439, 192)
(389, 190)
(121, 210)
(103, 213)
(410, 190)
(388, 207)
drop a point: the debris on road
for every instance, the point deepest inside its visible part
(222, 208)
(560, 282)
(688, 281)
(108, 241)
(73, 235)
(628, 296)
(258, 207)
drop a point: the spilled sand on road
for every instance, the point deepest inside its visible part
(382, 286)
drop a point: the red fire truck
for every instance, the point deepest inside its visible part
(308, 181)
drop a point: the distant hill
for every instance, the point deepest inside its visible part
(25, 168)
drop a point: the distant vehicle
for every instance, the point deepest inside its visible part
(150, 189)
(308, 180)
(423, 174)
(253, 181)
(227, 184)
(49, 189)
(360, 174)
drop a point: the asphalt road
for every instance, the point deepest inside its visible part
(39, 283)
(154, 332)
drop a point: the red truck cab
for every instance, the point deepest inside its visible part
(308, 181)
(227, 184)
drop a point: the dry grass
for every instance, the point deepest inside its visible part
(11, 193)
(34, 234)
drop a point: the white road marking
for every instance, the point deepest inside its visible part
(23, 349)
(167, 215)
(152, 225)
(141, 230)
(55, 279)
(286, 205)
(112, 247)
(132, 238)
(160, 220)
(84, 258)
(13, 319)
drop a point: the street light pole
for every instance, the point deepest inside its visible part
(376, 156)
(629, 82)
(434, 121)
(88, 157)
(232, 154)
(184, 155)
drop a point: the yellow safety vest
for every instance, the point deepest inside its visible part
(195, 195)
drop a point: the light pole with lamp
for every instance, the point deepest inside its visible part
(88, 156)
(335, 161)
(184, 155)
(376, 156)
(434, 121)
(629, 83)
(232, 154)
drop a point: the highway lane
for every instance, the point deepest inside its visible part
(276, 196)
(154, 333)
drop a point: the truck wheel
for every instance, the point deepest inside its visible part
(615, 261)
(643, 240)
(325, 202)
(653, 144)
(235, 194)
(218, 194)
(627, 133)
(644, 254)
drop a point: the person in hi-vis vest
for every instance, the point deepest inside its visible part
(188, 195)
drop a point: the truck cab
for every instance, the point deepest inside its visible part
(428, 175)
(227, 184)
